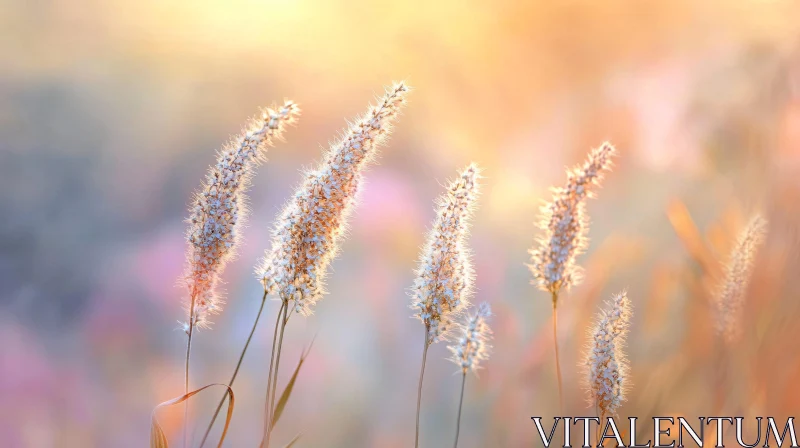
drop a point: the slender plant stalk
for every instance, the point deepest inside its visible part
(186, 390)
(186, 374)
(558, 360)
(269, 376)
(236, 370)
(419, 389)
(598, 432)
(720, 380)
(460, 402)
(272, 363)
(271, 405)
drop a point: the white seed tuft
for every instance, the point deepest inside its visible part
(731, 295)
(444, 277)
(472, 346)
(606, 364)
(308, 232)
(565, 224)
(219, 208)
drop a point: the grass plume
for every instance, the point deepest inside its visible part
(219, 208)
(472, 346)
(606, 364)
(309, 230)
(730, 297)
(565, 224)
(444, 278)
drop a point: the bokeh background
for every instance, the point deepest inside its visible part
(110, 113)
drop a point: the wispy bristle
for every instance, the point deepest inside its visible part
(306, 236)
(474, 334)
(444, 277)
(730, 297)
(219, 208)
(606, 364)
(565, 224)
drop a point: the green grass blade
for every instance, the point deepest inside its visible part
(287, 392)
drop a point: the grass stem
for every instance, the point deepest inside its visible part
(271, 393)
(419, 389)
(460, 403)
(186, 374)
(558, 360)
(600, 443)
(269, 376)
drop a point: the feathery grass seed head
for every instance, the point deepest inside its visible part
(565, 224)
(307, 233)
(218, 209)
(444, 277)
(472, 347)
(605, 362)
(731, 295)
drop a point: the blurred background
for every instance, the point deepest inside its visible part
(111, 112)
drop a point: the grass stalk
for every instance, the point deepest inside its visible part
(236, 370)
(269, 376)
(558, 360)
(460, 403)
(600, 443)
(419, 388)
(186, 374)
(271, 393)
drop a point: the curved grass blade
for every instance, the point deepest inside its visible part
(290, 444)
(157, 437)
(287, 392)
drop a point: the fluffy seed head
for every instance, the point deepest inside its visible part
(444, 277)
(218, 210)
(308, 231)
(730, 297)
(472, 347)
(607, 367)
(565, 224)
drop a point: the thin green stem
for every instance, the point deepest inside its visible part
(275, 374)
(419, 389)
(236, 370)
(267, 409)
(460, 403)
(558, 360)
